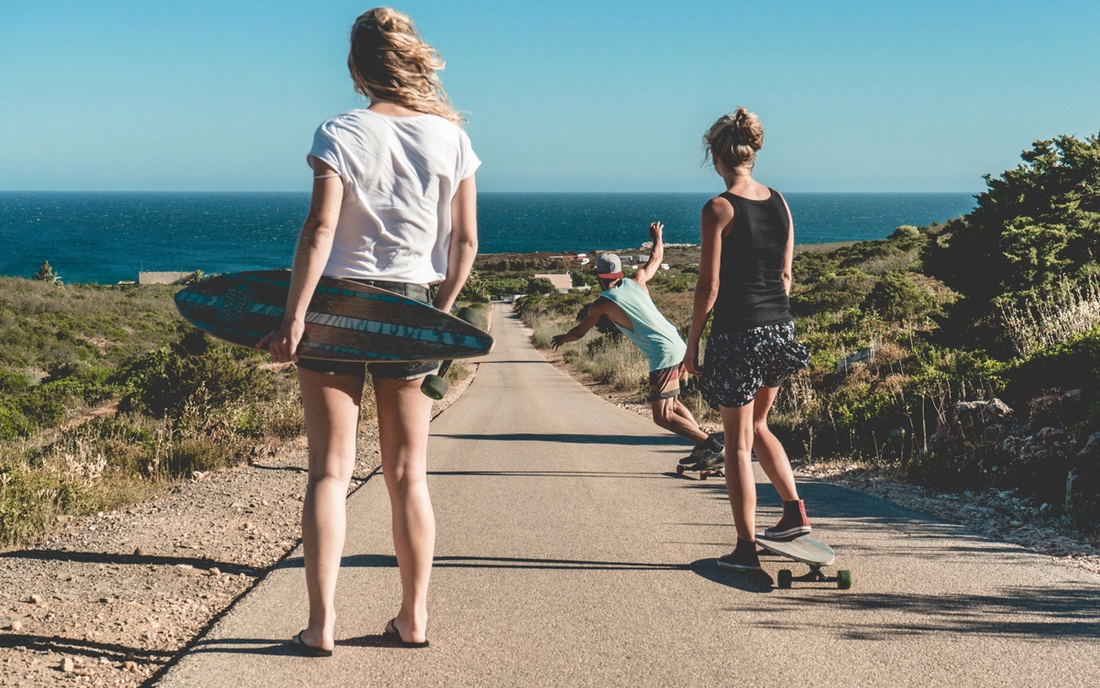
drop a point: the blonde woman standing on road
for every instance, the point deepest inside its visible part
(745, 281)
(394, 205)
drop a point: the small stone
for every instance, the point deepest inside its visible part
(17, 625)
(185, 567)
(64, 577)
(139, 552)
(215, 571)
(5, 623)
(129, 666)
(236, 505)
(37, 599)
(67, 666)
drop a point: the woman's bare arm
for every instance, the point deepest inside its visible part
(310, 257)
(717, 215)
(788, 255)
(463, 250)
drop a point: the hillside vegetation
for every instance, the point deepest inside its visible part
(106, 394)
(965, 354)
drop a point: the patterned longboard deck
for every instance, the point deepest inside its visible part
(346, 321)
(803, 548)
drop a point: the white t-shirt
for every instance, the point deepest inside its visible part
(399, 174)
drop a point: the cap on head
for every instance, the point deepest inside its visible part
(608, 266)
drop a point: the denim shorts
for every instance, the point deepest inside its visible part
(410, 370)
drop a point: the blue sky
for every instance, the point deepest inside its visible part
(561, 96)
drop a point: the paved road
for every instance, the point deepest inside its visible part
(568, 555)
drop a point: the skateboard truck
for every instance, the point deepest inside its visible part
(843, 578)
(436, 386)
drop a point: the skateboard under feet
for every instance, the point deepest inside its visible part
(813, 553)
(703, 474)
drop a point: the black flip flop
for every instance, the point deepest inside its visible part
(298, 645)
(392, 635)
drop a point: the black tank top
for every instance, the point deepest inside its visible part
(750, 288)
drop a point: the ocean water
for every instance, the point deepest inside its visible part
(108, 237)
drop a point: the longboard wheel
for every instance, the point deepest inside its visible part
(784, 578)
(472, 316)
(844, 579)
(435, 387)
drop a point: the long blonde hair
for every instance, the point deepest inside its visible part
(389, 60)
(734, 139)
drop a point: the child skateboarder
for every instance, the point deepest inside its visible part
(626, 303)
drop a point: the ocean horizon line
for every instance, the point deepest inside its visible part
(480, 191)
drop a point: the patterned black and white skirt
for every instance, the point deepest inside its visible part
(739, 363)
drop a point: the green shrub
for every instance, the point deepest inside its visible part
(164, 381)
(896, 297)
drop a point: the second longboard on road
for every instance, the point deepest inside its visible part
(810, 551)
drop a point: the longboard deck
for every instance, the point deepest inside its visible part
(803, 549)
(346, 320)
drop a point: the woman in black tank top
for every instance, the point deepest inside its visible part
(744, 281)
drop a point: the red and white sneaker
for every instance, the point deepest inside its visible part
(793, 523)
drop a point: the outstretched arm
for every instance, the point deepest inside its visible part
(646, 272)
(598, 310)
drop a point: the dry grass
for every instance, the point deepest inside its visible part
(1037, 324)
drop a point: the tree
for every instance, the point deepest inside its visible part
(46, 274)
(1034, 232)
(540, 285)
(1033, 226)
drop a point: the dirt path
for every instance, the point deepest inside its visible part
(108, 600)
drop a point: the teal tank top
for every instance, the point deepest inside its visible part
(657, 338)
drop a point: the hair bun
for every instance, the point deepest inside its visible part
(734, 138)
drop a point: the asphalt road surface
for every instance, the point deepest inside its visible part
(570, 554)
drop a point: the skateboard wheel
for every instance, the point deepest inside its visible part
(844, 579)
(471, 316)
(680, 470)
(434, 387)
(785, 578)
(703, 475)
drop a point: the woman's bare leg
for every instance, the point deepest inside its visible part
(404, 413)
(769, 451)
(331, 404)
(740, 483)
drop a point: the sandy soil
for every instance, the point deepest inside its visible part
(111, 599)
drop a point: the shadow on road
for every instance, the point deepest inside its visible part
(745, 581)
(579, 438)
(550, 474)
(460, 562)
(1039, 613)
